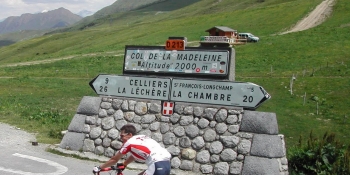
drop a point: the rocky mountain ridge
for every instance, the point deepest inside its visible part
(42, 21)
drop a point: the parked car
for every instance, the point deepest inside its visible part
(250, 37)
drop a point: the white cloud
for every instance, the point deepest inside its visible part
(56, 1)
(12, 2)
(19, 7)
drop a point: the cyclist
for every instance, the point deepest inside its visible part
(141, 147)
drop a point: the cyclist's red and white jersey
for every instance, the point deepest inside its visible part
(144, 148)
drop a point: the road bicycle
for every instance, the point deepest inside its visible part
(118, 171)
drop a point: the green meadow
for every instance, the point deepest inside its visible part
(43, 98)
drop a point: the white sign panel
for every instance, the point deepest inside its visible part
(136, 87)
(205, 62)
(240, 94)
(214, 39)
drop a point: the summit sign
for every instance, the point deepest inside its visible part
(177, 73)
(159, 61)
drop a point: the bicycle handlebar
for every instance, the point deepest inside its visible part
(112, 168)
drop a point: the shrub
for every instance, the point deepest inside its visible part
(51, 122)
(320, 156)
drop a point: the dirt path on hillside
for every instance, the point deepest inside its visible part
(315, 18)
(36, 62)
(52, 60)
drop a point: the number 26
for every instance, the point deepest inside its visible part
(103, 89)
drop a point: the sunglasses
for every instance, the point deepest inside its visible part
(122, 135)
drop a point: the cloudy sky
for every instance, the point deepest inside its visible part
(19, 7)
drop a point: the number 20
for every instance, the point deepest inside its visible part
(248, 99)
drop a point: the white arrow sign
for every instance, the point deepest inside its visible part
(247, 95)
(136, 87)
(240, 94)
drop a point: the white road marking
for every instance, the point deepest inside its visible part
(60, 168)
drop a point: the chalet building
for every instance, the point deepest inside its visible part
(222, 31)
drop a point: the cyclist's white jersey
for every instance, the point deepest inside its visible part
(144, 148)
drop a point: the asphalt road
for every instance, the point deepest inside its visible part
(20, 157)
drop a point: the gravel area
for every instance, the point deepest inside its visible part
(14, 137)
(315, 18)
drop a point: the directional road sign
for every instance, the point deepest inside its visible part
(241, 94)
(135, 87)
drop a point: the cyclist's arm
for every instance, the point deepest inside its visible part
(142, 172)
(113, 160)
(129, 160)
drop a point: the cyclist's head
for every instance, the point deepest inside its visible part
(128, 128)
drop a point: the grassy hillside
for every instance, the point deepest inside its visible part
(318, 58)
(129, 12)
(139, 27)
(11, 38)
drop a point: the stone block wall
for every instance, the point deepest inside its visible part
(201, 138)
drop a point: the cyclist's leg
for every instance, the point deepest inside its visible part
(150, 170)
(162, 168)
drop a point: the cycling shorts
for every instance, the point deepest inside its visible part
(158, 168)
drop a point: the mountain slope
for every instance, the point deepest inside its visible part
(318, 58)
(130, 10)
(85, 13)
(53, 19)
(125, 5)
(136, 27)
